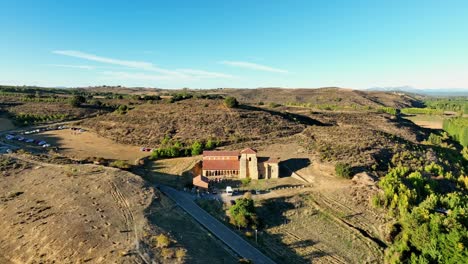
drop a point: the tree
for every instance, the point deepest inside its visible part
(197, 148)
(210, 144)
(77, 100)
(231, 102)
(343, 170)
(243, 213)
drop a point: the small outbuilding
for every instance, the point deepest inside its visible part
(200, 182)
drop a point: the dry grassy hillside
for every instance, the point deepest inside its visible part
(321, 96)
(196, 119)
(360, 139)
(70, 213)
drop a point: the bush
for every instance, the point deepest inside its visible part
(180, 254)
(231, 102)
(242, 214)
(245, 181)
(162, 241)
(167, 253)
(77, 100)
(121, 164)
(343, 170)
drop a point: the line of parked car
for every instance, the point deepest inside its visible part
(41, 143)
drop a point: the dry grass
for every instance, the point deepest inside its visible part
(193, 119)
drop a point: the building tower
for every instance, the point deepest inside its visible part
(248, 164)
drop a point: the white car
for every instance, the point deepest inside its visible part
(41, 143)
(46, 145)
(229, 190)
(20, 138)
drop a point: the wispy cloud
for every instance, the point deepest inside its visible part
(85, 67)
(135, 76)
(205, 74)
(145, 66)
(253, 66)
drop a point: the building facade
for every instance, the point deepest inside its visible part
(239, 164)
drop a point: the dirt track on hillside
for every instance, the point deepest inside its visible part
(72, 214)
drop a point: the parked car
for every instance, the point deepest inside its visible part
(145, 149)
(9, 137)
(20, 138)
(46, 145)
(229, 190)
(41, 143)
(29, 140)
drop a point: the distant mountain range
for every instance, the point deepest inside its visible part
(431, 92)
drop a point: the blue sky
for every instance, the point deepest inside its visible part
(251, 43)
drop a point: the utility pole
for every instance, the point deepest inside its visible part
(256, 236)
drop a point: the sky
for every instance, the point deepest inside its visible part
(241, 44)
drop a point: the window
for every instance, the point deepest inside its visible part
(250, 158)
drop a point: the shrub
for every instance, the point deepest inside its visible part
(122, 109)
(231, 102)
(343, 170)
(180, 254)
(162, 241)
(274, 105)
(245, 181)
(77, 100)
(121, 164)
(167, 253)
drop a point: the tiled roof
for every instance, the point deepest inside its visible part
(214, 153)
(200, 181)
(220, 165)
(248, 151)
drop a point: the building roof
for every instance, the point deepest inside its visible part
(248, 151)
(200, 181)
(214, 153)
(221, 165)
(273, 160)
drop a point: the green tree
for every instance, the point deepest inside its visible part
(196, 148)
(231, 102)
(242, 213)
(77, 100)
(343, 170)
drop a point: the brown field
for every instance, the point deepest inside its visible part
(195, 119)
(71, 214)
(320, 96)
(427, 121)
(88, 144)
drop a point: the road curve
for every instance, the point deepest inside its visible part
(231, 239)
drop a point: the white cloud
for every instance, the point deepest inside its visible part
(205, 74)
(85, 67)
(135, 76)
(253, 66)
(146, 66)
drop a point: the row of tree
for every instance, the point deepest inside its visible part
(458, 129)
(170, 148)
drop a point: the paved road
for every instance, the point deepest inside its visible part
(231, 239)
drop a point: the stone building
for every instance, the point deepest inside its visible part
(239, 164)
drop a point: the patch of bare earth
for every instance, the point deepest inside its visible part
(331, 222)
(88, 144)
(71, 214)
